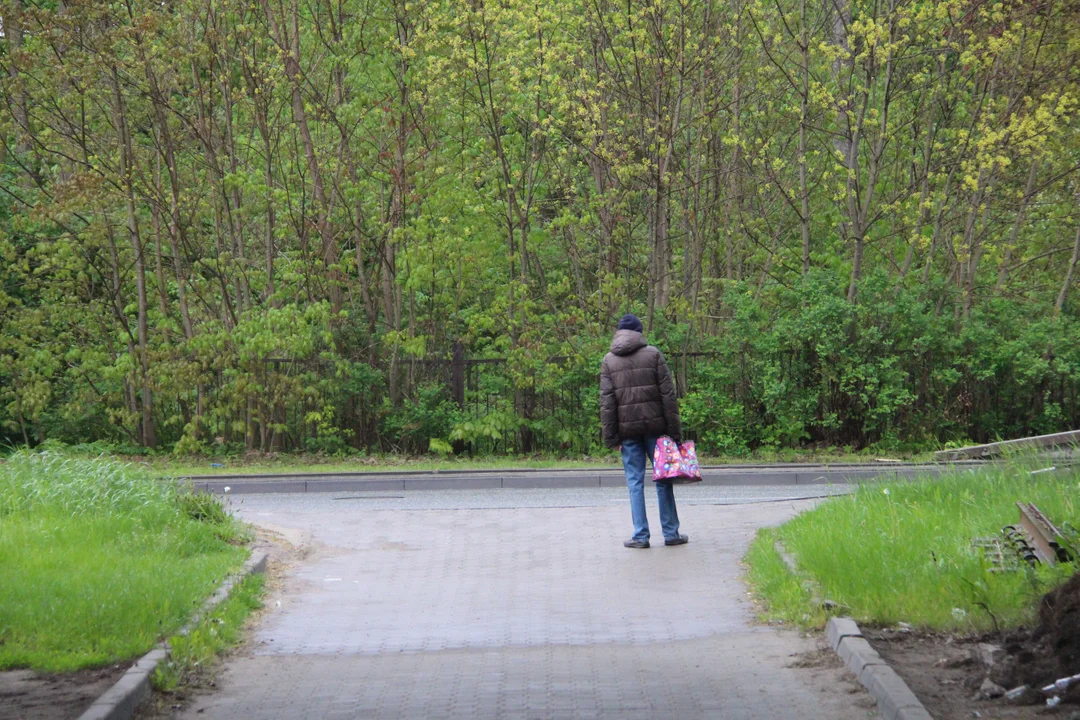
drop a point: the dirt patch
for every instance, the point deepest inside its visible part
(1052, 650)
(822, 657)
(1059, 626)
(953, 675)
(27, 695)
(942, 670)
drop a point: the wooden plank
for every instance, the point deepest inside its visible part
(1064, 439)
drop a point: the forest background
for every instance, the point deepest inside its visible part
(329, 225)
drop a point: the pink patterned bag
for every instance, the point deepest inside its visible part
(675, 462)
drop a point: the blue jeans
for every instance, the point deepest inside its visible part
(634, 452)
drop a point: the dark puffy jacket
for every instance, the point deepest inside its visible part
(637, 396)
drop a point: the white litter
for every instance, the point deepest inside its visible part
(1061, 685)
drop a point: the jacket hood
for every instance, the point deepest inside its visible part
(627, 342)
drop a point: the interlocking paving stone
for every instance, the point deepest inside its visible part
(531, 613)
(742, 675)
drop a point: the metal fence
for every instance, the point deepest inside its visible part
(560, 415)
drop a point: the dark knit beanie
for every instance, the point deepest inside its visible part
(630, 322)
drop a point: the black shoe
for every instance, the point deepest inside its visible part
(638, 544)
(678, 540)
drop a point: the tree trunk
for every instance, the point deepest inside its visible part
(127, 161)
(205, 124)
(922, 214)
(804, 106)
(973, 244)
(1068, 274)
(13, 31)
(168, 150)
(233, 203)
(1014, 233)
(938, 222)
(289, 46)
(159, 263)
(734, 196)
(271, 217)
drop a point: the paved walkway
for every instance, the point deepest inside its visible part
(530, 613)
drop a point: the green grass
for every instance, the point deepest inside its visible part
(902, 552)
(784, 598)
(192, 654)
(100, 561)
(315, 464)
(164, 466)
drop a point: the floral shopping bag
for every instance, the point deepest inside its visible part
(675, 462)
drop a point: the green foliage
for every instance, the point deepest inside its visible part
(440, 447)
(716, 419)
(430, 414)
(889, 372)
(493, 428)
(204, 508)
(864, 212)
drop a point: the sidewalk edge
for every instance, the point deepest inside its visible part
(894, 698)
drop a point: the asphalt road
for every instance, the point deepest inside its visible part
(497, 498)
(599, 477)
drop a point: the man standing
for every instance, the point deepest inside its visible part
(637, 406)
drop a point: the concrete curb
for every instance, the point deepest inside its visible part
(1068, 439)
(894, 698)
(380, 482)
(120, 701)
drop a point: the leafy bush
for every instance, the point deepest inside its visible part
(429, 414)
(203, 507)
(889, 372)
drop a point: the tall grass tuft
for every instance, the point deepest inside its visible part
(34, 483)
(100, 560)
(903, 551)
